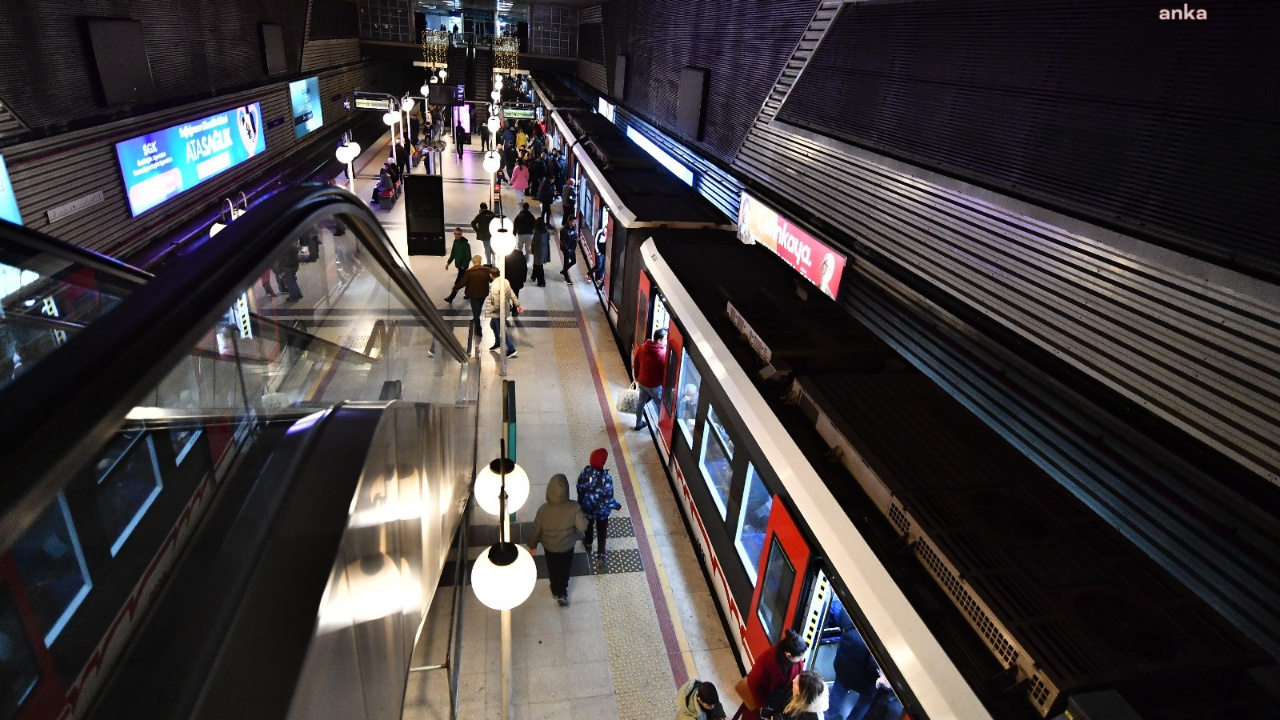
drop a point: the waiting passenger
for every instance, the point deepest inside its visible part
(541, 251)
(697, 700)
(595, 494)
(774, 670)
(558, 525)
(476, 282)
(805, 698)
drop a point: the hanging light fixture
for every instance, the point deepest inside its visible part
(497, 226)
(444, 75)
(495, 124)
(492, 160)
(406, 104)
(496, 95)
(504, 575)
(426, 90)
(391, 117)
(489, 481)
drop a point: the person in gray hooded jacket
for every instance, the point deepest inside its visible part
(558, 525)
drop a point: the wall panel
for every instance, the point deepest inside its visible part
(195, 50)
(743, 43)
(50, 172)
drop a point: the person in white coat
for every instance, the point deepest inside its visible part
(500, 292)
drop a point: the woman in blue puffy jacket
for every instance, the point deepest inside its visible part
(595, 495)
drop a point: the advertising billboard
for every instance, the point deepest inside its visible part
(818, 263)
(304, 95)
(8, 201)
(159, 165)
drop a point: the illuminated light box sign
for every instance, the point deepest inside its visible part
(8, 201)
(818, 263)
(518, 113)
(607, 109)
(304, 95)
(661, 156)
(373, 101)
(165, 163)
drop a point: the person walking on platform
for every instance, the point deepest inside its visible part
(484, 138)
(568, 247)
(459, 254)
(476, 283)
(697, 700)
(520, 180)
(459, 138)
(522, 226)
(480, 223)
(558, 525)
(774, 670)
(649, 367)
(546, 195)
(516, 267)
(595, 494)
(286, 270)
(541, 250)
(499, 292)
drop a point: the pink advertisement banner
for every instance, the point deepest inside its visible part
(818, 263)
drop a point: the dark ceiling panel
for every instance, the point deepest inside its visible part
(1169, 130)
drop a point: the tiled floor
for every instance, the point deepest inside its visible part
(639, 624)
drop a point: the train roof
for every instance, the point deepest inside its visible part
(650, 191)
(556, 94)
(1049, 585)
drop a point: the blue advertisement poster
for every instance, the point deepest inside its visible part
(8, 202)
(305, 97)
(162, 164)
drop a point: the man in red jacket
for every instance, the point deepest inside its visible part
(650, 368)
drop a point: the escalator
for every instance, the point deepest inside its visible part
(215, 502)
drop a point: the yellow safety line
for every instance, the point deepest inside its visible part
(682, 640)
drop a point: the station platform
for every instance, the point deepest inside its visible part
(641, 622)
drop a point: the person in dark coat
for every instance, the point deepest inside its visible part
(459, 138)
(856, 671)
(522, 226)
(568, 198)
(459, 256)
(516, 267)
(595, 495)
(286, 270)
(546, 195)
(541, 251)
(569, 247)
(476, 281)
(537, 171)
(558, 525)
(480, 223)
(484, 137)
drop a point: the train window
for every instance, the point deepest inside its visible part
(779, 577)
(128, 482)
(51, 564)
(753, 517)
(17, 661)
(717, 462)
(691, 384)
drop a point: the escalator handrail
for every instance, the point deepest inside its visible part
(62, 411)
(40, 243)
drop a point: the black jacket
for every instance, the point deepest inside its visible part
(517, 272)
(481, 224)
(523, 223)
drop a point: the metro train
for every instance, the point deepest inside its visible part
(831, 487)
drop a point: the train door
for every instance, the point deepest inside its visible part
(670, 384)
(783, 564)
(643, 293)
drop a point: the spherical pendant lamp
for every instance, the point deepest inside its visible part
(489, 479)
(492, 161)
(504, 576)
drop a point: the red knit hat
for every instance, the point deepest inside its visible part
(598, 456)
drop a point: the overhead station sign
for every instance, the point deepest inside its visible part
(159, 165)
(818, 263)
(374, 101)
